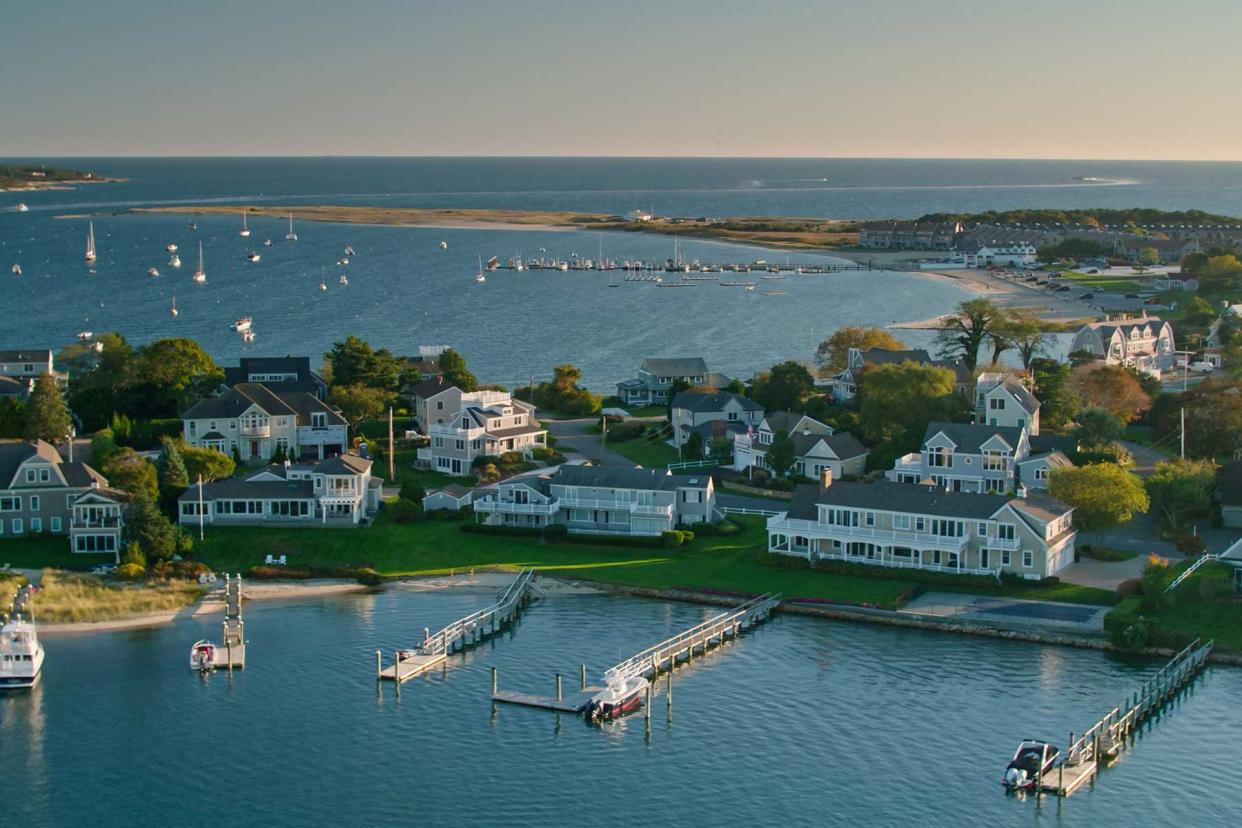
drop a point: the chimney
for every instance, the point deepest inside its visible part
(825, 479)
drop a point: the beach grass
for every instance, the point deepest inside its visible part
(65, 598)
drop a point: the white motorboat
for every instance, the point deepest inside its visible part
(200, 275)
(267, 242)
(342, 262)
(151, 271)
(444, 245)
(194, 225)
(244, 231)
(203, 656)
(248, 336)
(17, 270)
(291, 236)
(349, 250)
(171, 248)
(617, 699)
(344, 280)
(242, 324)
(90, 242)
(253, 256)
(1031, 761)
(83, 336)
(22, 208)
(21, 654)
(175, 261)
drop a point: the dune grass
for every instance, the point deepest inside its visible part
(65, 597)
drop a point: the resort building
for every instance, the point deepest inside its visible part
(965, 457)
(19, 370)
(41, 493)
(996, 254)
(337, 491)
(925, 527)
(1170, 251)
(1145, 343)
(656, 377)
(599, 499)
(287, 374)
(696, 412)
(908, 235)
(816, 447)
(258, 423)
(1002, 399)
(488, 424)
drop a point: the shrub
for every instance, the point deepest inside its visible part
(279, 573)
(556, 533)
(1190, 544)
(484, 460)
(548, 455)
(406, 511)
(673, 538)
(133, 554)
(189, 570)
(413, 490)
(1129, 588)
(511, 457)
(489, 474)
(130, 572)
(625, 430)
(759, 477)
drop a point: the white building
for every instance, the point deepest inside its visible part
(1002, 399)
(1145, 343)
(256, 422)
(481, 429)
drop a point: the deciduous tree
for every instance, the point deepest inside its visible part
(1113, 388)
(207, 463)
(782, 387)
(1059, 403)
(1103, 495)
(895, 398)
(832, 354)
(358, 402)
(964, 332)
(1096, 427)
(131, 473)
(453, 367)
(1181, 488)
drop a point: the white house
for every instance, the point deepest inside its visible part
(999, 254)
(694, 412)
(1145, 343)
(816, 447)
(257, 422)
(481, 429)
(1002, 399)
(965, 457)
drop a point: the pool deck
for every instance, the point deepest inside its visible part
(998, 610)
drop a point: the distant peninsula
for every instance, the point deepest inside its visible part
(18, 177)
(783, 232)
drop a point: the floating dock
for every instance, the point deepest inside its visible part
(1106, 739)
(463, 632)
(651, 661)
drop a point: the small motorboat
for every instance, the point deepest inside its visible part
(349, 251)
(203, 656)
(444, 245)
(617, 699)
(343, 261)
(253, 256)
(194, 225)
(248, 336)
(344, 280)
(1031, 760)
(22, 208)
(83, 336)
(17, 270)
(267, 242)
(175, 261)
(242, 324)
(151, 271)
(171, 248)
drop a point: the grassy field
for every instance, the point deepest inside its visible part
(644, 452)
(69, 598)
(1097, 282)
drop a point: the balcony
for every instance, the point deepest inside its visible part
(261, 430)
(105, 522)
(1003, 543)
(493, 506)
(896, 537)
(618, 506)
(440, 430)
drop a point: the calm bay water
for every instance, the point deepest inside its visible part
(803, 721)
(404, 291)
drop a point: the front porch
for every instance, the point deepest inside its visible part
(947, 555)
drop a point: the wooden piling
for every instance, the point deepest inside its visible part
(494, 680)
(582, 677)
(558, 687)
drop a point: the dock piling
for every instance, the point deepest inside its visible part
(582, 677)
(559, 696)
(495, 674)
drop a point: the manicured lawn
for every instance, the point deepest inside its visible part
(1205, 605)
(38, 553)
(374, 430)
(1098, 282)
(646, 410)
(644, 452)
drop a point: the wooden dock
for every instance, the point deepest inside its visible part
(1106, 739)
(651, 661)
(231, 654)
(462, 633)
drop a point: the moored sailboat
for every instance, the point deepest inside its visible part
(244, 231)
(90, 242)
(291, 236)
(200, 275)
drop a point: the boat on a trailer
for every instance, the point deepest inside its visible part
(203, 656)
(617, 699)
(1031, 761)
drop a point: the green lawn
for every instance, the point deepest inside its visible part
(1098, 282)
(37, 553)
(645, 410)
(644, 452)
(1193, 609)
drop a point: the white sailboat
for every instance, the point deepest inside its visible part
(200, 275)
(244, 231)
(291, 236)
(479, 277)
(247, 336)
(90, 242)
(322, 284)
(344, 280)
(174, 310)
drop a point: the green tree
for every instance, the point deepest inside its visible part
(781, 453)
(134, 555)
(1111, 387)
(1220, 273)
(896, 398)
(1192, 263)
(1023, 332)
(1096, 428)
(355, 363)
(564, 395)
(1148, 256)
(1181, 488)
(171, 374)
(692, 449)
(832, 354)
(131, 473)
(172, 476)
(47, 416)
(12, 418)
(358, 403)
(411, 489)
(1059, 403)
(783, 386)
(964, 332)
(676, 387)
(147, 526)
(207, 463)
(1103, 495)
(453, 368)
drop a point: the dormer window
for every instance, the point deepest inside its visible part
(319, 419)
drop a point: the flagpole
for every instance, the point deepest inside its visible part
(200, 505)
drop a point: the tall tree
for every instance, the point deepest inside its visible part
(1181, 488)
(172, 373)
(1213, 418)
(131, 473)
(358, 403)
(172, 477)
(831, 356)
(1111, 387)
(1023, 331)
(453, 368)
(1096, 428)
(1059, 403)
(1103, 495)
(964, 332)
(207, 463)
(781, 452)
(896, 398)
(147, 526)
(783, 386)
(12, 418)
(47, 416)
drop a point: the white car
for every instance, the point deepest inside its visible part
(1202, 367)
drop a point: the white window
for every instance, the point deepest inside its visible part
(10, 504)
(45, 475)
(56, 524)
(731, 416)
(996, 404)
(692, 496)
(193, 428)
(18, 526)
(1041, 473)
(983, 530)
(1028, 558)
(901, 521)
(1005, 531)
(939, 457)
(30, 475)
(870, 519)
(212, 425)
(580, 515)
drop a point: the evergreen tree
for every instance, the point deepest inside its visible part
(147, 526)
(172, 467)
(453, 367)
(47, 416)
(781, 453)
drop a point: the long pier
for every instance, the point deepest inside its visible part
(650, 662)
(460, 634)
(232, 650)
(701, 270)
(1104, 740)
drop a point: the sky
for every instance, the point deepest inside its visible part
(818, 78)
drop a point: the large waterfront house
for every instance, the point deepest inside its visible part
(488, 424)
(965, 457)
(287, 374)
(816, 447)
(1002, 399)
(656, 377)
(981, 254)
(845, 384)
(1231, 315)
(19, 370)
(908, 235)
(697, 412)
(41, 493)
(925, 527)
(1145, 343)
(436, 401)
(338, 491)
(599, 499)
(257, 423)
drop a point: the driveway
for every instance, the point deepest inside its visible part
(1145, 458)
(574, 437)
(1089, 572)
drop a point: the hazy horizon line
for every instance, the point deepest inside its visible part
(588, 157)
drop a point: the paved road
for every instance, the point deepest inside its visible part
(1145, 458)
(575, 437)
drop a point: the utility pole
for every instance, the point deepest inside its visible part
(1183, 434)
(200, 506)
(391, 452)
(603, 437)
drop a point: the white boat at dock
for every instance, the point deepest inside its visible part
(21, 654)
(203, 656)
(617, 700)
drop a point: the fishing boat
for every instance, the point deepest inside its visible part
(617, 699)
(253, 256)
(171, 248)
(90, 242)
(151, 271)
(203, 656)
(291, 236)
(774, 276)
(344, 280)
(17, 270)
(444, 245)
(173, 311)
(83, 336)
(175, 261)
(244, 231)
(242, 324)
(1031, 760)
(200, 275)
(21, 654)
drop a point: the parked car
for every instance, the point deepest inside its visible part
(1202, 367)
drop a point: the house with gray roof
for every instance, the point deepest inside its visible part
(257, 423)
(1002, 399)
(487, 424)
(285, 374)
(925, 527)
(816, 447)
(20, 369)
(656, 377)
(610, 500)
(965, 457)
(338, 491)
(41, 492)
(1034, 471)
(694, 411)
(1145, 343)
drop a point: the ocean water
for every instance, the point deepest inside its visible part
(405, 292)
(804, 721)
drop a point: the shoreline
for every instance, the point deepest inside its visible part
(36, 186)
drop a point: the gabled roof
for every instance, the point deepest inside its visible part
(35, 355)
(885, 356)
(1020, 393)
(297, 365)
(235, 401)
(343, 464)
(79, 474)
(893, 497)
(970, 437)
(452, 490)
(236, 487)
(790, 421)
(698, 403)
(430, 387)
(614, 477)
(14, 453)
(675, 366)
(1052, 459)
(843, 444)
